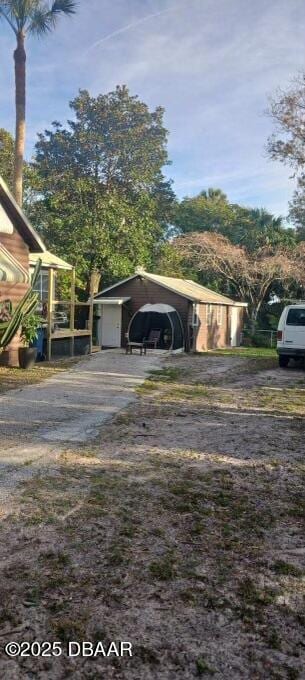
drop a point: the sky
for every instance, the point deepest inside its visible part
(212, 64)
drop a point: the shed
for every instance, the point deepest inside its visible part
(209, 320)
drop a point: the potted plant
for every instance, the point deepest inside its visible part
(29, 333)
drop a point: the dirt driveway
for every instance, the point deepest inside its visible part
(179, 527)
(38, 421)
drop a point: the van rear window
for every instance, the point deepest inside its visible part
(296, 317)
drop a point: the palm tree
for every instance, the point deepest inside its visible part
(34, 17)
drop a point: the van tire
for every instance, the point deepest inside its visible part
(283, 361)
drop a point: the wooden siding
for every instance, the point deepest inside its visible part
(15, 244)
(212, 335)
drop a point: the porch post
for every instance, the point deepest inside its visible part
(50, 313)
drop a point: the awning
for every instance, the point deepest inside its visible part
(50, 261)
(111, 301)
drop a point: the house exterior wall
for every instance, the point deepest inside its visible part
(15, 244)
(141, 291)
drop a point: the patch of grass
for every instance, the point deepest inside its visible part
(146, 654)
(147, 386)
(32, 596)
(185, 393)
(203, 668)
(273, 639)
(168, 374)
(163, 569)
(292, 673)
(56, 559)
(159, 377)
(286, 399)
(245, 352)
(253, 596)
(66, 629)
(14, 378)
(286, 569)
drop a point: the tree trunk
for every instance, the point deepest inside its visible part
(252, 316)
(20, 85)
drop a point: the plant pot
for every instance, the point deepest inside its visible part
(27, 357)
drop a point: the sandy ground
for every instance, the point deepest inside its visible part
(178, 527)
(38, 421)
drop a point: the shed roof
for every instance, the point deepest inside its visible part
(19, 220)
(184, 287)
(50, 261)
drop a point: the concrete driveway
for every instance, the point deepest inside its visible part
(38, 421)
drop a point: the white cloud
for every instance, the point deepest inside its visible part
(210, 64)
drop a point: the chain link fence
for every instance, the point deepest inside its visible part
(265, 338)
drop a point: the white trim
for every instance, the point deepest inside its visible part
(195, 315)
(111, 301)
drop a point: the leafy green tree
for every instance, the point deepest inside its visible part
(101, 198)
(211, 211)
(6, 157)
(34, 17)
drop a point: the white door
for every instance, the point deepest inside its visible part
(110, 326)
(234, 326)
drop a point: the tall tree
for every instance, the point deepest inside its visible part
(24, 17)
(287, 143)
(251, 227)
(6, 157)
(252, 276)
(102, 200)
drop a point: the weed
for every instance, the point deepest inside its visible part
(169, 374)
(285, 569)
(67, 629)
(202, 667)
(251, 595)
(56, 559)
(163, 569)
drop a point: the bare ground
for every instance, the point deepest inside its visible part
(179, 528)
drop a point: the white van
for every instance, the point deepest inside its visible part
(291, 334)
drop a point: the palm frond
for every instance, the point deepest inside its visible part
(64, 6)
(17, 12)
(43, 18)
(5, 15)
(36, 16)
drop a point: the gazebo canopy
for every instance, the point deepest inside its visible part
(160, 317)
